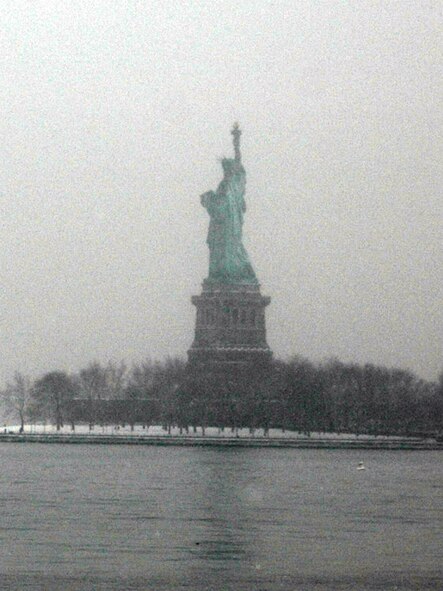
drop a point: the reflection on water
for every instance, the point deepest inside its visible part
(121, 518)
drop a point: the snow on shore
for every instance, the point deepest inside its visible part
(157, 430)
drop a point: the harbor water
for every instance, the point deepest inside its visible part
(121, 518)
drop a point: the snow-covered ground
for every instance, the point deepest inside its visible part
(157, 430)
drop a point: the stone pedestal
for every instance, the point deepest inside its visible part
(230, 330)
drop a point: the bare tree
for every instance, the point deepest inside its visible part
(116, 380)
(17, 398)
(139, 393)
(92, 388)
(52, 394)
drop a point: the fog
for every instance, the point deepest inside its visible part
(114, 118)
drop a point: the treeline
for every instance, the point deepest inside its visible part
(290, 395)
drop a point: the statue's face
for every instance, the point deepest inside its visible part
(228, 166)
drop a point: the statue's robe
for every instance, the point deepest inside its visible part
(228, 259)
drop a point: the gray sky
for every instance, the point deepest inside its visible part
(114, 115)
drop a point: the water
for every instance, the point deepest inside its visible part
(90, 518)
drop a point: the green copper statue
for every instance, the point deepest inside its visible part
(228, 259)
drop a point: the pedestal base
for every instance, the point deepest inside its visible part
(230, 329)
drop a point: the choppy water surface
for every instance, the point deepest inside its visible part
(140, 518)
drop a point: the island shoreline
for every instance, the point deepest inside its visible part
(229, 442)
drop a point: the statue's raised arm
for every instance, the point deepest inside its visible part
(228, 260)
(236, 133)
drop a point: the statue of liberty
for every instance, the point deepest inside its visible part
(228, 259)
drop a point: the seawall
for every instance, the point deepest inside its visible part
(211, 441)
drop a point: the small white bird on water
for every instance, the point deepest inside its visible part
(361, 466)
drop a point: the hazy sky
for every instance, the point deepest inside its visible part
(114, 116)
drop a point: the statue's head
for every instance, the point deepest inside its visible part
(230, 166)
